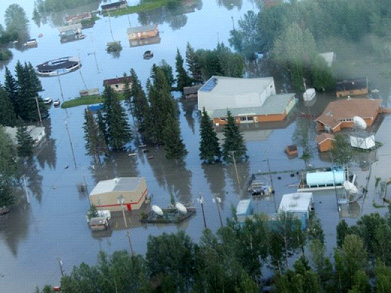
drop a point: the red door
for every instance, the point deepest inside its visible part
(129, 206)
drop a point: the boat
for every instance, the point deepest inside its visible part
(58, 66)
(48, 101)
(56, 103)
(148, 55)
(309, 94)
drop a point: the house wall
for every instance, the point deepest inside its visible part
(255, 118)
(345, 124)
(109, 201)
(325, 146)
(356, 92)
(143, 35)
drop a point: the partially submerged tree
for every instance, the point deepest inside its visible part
(233, 145)
(209, 143)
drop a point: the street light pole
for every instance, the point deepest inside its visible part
(60, 264)
(232, 153)
(271, 182)
(121, 201)
(217, 200)
(130, 242)
(201, 201)
(39, 110)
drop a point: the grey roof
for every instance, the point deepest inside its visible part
(275, 104)
(139, 29)
(117, 184)
(235, 86)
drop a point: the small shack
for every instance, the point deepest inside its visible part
(291, 150)
(118, 84)
(363, 140)
(98, 223)
(191, 92)
(107, 194)
(114, 6)
(244, 209)
(297, 204)
(325, 141)
(352, 87)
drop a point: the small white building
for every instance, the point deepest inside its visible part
(244, 209)
(364, 140)
(114, 194)
(299, 204)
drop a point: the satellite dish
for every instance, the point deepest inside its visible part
(157, 210)
(181, 208)
(359, 122)
(349, 186)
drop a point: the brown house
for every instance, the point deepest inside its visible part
(117, 84)
(143, 32)
(352, 87)
(339, 114)
(325, 142)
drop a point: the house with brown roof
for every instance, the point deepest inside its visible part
(339, 114)
(352, 87)
(325, 141)
(117, 84)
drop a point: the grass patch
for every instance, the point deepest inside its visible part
(146, 6)
(87, 100)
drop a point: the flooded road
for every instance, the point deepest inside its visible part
(52, 227)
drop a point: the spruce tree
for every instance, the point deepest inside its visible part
(139, 103)
(6, 196)
(94, 139)
(11, 87)
(7, 113)
(233, 140)
(173, 144)
(182, 77)
(209, 143)
(118, 130)
(193, 64)
(25, 142)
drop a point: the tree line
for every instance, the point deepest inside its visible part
(290, 35)
(232, 259)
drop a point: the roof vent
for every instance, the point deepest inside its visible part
(296, 196)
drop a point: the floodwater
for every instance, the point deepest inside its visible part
(35, 236)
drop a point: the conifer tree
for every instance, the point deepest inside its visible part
(94, 138)
(193, 64)
(118, 130)
(173, 144)
(182, 78)
(139, 102)
(209, 144)
(25, 142)
(7, 113)
(11, 87)
(233, 140)
(6, 196)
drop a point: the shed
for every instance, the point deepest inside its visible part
(244, 209)
(143, 32)
(325, 178)
(297, 204)
(291, 150)
(363, 140)
(107, 193)
(117, 84)
(98, 223)
(325, 141)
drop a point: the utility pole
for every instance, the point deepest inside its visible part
(201, 201)
(233, 22)
(70, 142)
(39, 110)
(217, 200)
(60, 264)
(232, 153)
(121, 201)
(271, 182)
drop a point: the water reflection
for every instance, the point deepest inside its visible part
(14, 225)
(119, 164)
(28, 168)
(189, 107)
(230, 4)
(174, 16)
(215, 177)
(239, 177)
